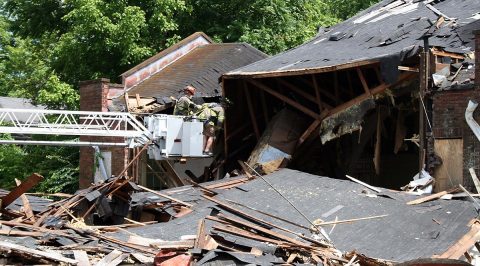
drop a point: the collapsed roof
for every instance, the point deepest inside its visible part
(389, 28)
(406, 232)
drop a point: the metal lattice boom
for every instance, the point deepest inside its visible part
(75, 123)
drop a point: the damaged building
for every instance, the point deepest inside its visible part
(365, 98)
(151, 87)
(378, 97)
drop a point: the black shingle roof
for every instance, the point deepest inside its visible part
(387, 28)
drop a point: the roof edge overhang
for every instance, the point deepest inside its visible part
(167, 51)
(297, 72)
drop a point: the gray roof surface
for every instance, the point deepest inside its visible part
(408, 232)
(378, 32)
(201, 68)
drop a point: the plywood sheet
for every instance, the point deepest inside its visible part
(450, 173)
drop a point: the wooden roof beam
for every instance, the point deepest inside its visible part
(364, 81)
(322, 92)
(250, 110)
(317, 93)
(285, 99)
(378, 89)
(297, 72)
(302, 93)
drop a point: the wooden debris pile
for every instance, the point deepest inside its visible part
(213, 223)
(60, 234)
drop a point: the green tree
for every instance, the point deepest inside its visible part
(48, 46)
(94, 38)
(344, 9)
(270, 25)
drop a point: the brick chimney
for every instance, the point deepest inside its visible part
(94, 96)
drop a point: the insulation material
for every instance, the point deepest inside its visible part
(279, 139)
(345, 122)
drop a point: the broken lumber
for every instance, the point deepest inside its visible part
(26, 252)
(165, 196)
(82, 257)
(18, 191)
(243, 233)
(463, 244)
(350, 220)
(160, 244)
(363, 184)
(475, 179)
(260, 221)
(265, 231)
(108, 260)
(427, 198)
(27, 209)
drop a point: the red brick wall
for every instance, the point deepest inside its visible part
(448, 119)
(94, 97)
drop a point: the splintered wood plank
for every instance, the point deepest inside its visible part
(364, 184)
(107, 260)
(82, 257)
(20, 233)
(244, 233)
(427, 198)
(309, 131)
(475, 179)
(26, 204)
(18, 191)
(201, 235)
(463, 244)
(450, 172)
(18, 249)
(164, 196)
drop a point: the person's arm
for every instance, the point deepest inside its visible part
(194, 107)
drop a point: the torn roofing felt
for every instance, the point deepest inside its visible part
(387, 29)
(408, 232)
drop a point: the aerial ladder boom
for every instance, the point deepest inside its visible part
(168, 135)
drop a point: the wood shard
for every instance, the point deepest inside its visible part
(107, 260)
(82, 257)
(463, 244)
(26, 204)
(427, 198)
(364, 184)
(24, 251)
(18, 191)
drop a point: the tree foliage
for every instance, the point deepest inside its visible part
(270, 25)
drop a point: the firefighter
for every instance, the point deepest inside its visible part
(185, 106)
(213, 116)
